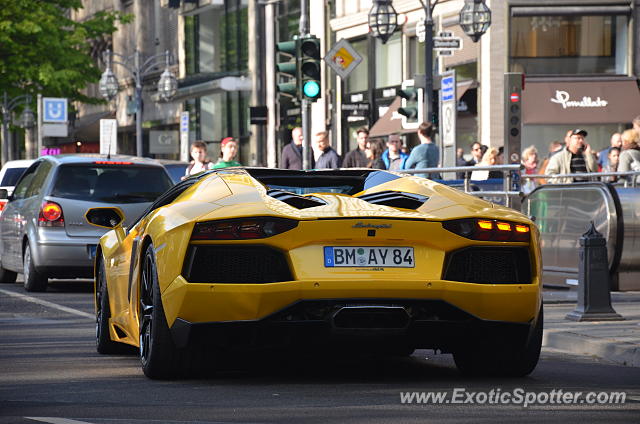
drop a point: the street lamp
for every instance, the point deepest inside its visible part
(167, 85)
(383, 20)
(475, 19)
(27, 120)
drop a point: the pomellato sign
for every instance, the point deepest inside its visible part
(563, 101)
(563, 98)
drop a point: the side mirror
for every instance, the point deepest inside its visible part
(110, 217)
(4, 194)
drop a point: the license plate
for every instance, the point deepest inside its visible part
(91, 249)
(368, 256)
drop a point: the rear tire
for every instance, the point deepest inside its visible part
(104, 344)
(7, 276)
(159, 356)
(507, 360)
(33, 280)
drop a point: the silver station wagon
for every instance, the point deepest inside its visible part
(43, 231)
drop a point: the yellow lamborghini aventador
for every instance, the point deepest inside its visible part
(253, 258)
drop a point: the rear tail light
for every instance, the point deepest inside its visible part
(242, 228)
(489, 230)
(50, 215)
(3, 203)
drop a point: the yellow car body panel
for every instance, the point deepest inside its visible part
(236, 194)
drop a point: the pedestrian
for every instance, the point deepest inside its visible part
(460, 161)
(200, 160)
(357, 157)
(630, 155)
(603, 155)
(612, 164)
(490, 158)
(554, 147)
(575, 158)
(329, 158)
(476, 153)
(393, 157)
(427, 154)
(374, 151)
(636, 124)
(530, 163)
(228, 152)
(292, 152)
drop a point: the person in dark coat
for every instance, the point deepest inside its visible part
(329, 158)
(357, 157)
(292, 152)
(374, 151)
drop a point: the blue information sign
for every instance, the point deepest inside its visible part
(447, 88)
(54, 110)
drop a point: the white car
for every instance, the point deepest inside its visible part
(10, 174)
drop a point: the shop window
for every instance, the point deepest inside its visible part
(568, 44)
(358, 79)
(389, 61)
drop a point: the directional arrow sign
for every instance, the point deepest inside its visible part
(447, 43)
(54, 110)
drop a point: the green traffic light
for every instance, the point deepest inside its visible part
(311, 89)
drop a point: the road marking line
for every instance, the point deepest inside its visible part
(48, 304)
(54, 420)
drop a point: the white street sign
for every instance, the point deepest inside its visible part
(55, 130)
(447, 43)
(448, 109)
(54, 110)
(184, 136)
(108, 136)
(342, 58)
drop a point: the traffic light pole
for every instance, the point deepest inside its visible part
(428, 60)
(305, 107)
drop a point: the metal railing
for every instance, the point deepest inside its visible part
(512, 197)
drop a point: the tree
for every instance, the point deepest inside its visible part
(43, 51)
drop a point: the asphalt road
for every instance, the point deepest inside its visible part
(50, 372)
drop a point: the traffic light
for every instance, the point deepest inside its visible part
(289, 69)
(412, 105)
(310, 68)
(513, 86)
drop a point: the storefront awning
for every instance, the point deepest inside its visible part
(592, 101)
(391, 121)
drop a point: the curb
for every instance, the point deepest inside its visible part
(622, 353)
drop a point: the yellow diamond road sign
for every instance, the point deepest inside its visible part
(343, 58)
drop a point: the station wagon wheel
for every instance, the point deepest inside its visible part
(159, 356)
(104, 344)
(33, 280)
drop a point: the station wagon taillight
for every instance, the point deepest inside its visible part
(242, 228)
(50, 215)
(489, 229)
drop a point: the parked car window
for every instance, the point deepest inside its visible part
(23, 184)
(11, 176)
(111, 183)
(39, 179)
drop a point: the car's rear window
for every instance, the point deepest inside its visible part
(11, 176)
(176, 170)
(111, 183)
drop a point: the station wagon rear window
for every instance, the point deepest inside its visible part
(110, 183)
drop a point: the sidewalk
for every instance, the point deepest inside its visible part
(614, 341)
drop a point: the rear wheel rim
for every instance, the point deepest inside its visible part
(146, 309)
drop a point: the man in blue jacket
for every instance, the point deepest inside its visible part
(393, 157)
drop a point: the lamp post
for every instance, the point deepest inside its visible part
(475, 19)
(167, 85)
(27, 120)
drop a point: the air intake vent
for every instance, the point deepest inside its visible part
(292, 199)
(489, 265)
(235, 264)
(395, 199)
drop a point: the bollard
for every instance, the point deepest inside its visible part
(594, 297)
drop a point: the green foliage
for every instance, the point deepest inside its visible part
(43, 51)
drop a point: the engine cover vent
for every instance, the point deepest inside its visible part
(395, 199)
